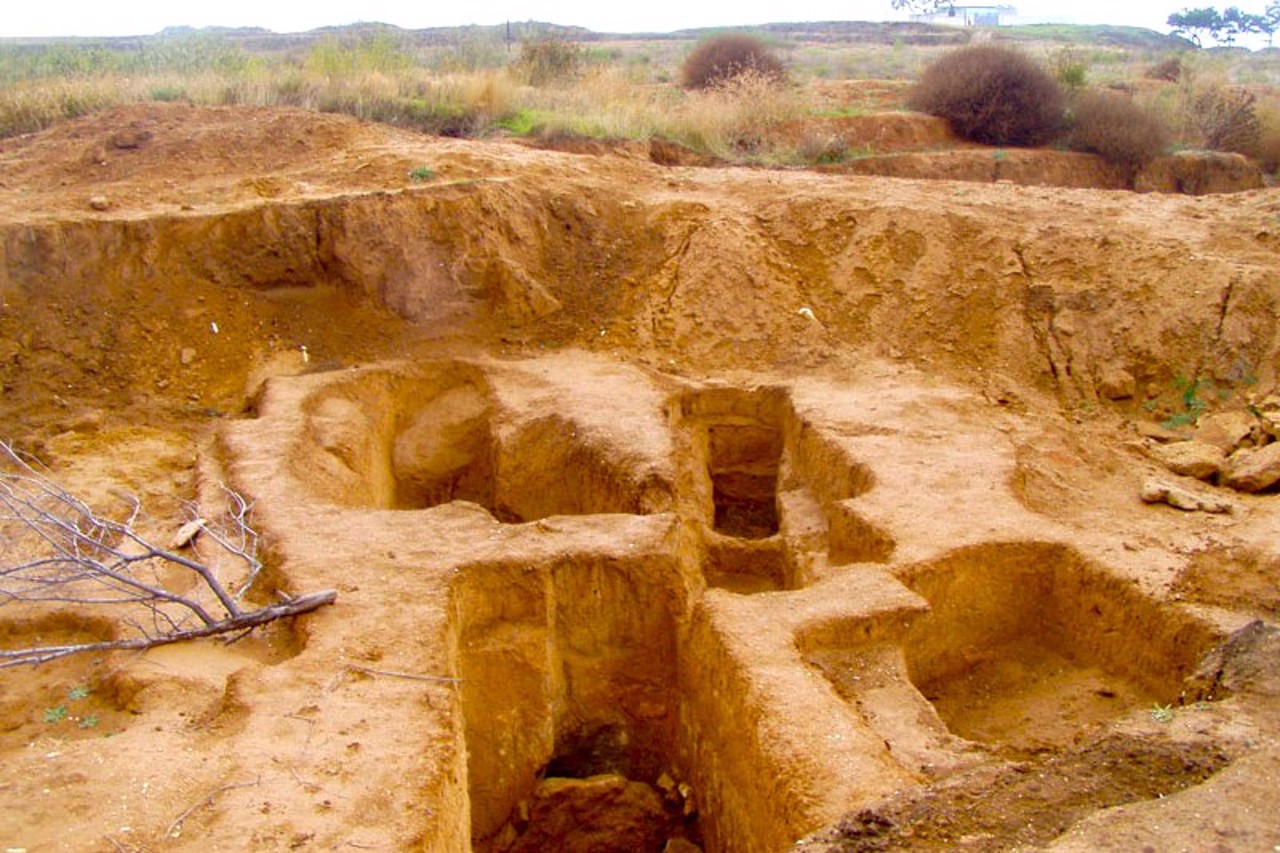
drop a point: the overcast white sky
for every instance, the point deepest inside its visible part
(135, 17)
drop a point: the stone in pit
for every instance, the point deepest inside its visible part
(1253, 470)
(1226, 430)
(598, 814)
(1190, 458)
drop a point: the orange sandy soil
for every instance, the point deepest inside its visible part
(808, 503)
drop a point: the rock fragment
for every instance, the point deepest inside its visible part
(1116, 383)
(1158, 432)
(1154, 491)
(1253, 470)
(1226, 430)
(1190, 458)
(129, 138)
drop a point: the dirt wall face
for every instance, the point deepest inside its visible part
(687, 267)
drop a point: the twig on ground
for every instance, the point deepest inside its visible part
(435, 679)
(175, 828)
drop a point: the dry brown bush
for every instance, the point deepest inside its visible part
(549, 60)
(724, 57)
(1268, 113)
(1112, 125)
(1169, 68)
(1225, 119)
(992, 95)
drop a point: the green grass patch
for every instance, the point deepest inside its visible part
(521, 122)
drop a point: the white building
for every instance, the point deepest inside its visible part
(970, 16)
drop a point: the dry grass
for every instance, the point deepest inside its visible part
(615, 90)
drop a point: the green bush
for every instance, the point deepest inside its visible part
(721, 58)
(1112, 125)
(1070, 69)
(992, 95)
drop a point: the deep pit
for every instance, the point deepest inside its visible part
(569, 696)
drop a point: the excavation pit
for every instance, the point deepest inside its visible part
(743, 466)
(748, 566)
(413, 440)
(571, 707)
(1027, 647)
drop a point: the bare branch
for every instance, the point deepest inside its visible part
(87, 559)
(175, 828)
(412, 676)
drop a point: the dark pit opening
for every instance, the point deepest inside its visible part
(743, 464)
(601, 791)
(571, 707)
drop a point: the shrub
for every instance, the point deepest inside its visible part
(1070, 69)
(724, 57)
(1169, 69)
(1112, 125)
(991, 95)
(548, 60)
(1225, 120)
(1268, 112)
(737, 118)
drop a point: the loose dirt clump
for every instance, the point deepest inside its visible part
(668, 506)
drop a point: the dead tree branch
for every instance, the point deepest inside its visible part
(75, 555)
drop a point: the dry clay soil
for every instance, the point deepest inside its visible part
(667, 507)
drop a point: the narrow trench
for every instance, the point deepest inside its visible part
(734, 442)
(580, 734)
(571, 707)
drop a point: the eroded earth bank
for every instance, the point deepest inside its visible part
(667, 507)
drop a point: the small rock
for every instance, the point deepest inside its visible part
(1157, 432)
(90, 421)
(681, 845)
(580, 814)
(187, 356)
(99, 202)
(131, 138)
(1190, 458)
(1117, 383)
(1270, 424)
(1253, 470)
(187, 534)
(1154, 491)
(1226, 430)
